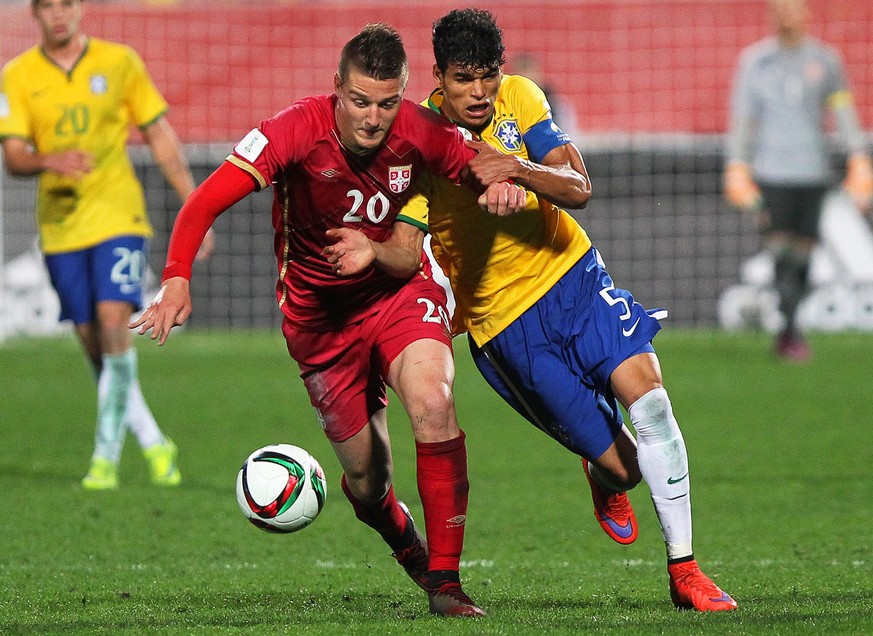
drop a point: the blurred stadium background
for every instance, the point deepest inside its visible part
(642, 85)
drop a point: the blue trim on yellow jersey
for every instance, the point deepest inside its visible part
(542, 138)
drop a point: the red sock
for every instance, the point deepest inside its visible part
(385, 517)
(443, 488)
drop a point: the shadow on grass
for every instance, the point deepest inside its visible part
(47, 474)
(44, 472)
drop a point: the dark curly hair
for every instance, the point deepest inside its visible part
(469, 38)
(377, 51)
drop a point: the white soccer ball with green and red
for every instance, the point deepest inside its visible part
(281, 488)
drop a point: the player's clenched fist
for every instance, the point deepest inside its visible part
(503, 198)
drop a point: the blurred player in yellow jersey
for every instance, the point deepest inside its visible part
(547, 327)
(66, 107)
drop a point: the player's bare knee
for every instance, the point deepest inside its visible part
(432, 414)
(635, 377)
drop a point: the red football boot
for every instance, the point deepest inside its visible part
(414, 558)
(449, 600)
(613, 511)
(692, 589)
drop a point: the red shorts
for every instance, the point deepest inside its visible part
(345, 371)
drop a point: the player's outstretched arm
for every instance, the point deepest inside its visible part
(170, 308)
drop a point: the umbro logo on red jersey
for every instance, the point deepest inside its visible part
(330, 173)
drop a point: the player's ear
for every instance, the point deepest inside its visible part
(438, 76)
(337, 83)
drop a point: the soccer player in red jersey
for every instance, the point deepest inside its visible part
(342, 166)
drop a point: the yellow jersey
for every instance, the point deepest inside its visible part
(498, 267)
(91, 108)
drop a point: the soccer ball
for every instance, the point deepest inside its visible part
(281, 488)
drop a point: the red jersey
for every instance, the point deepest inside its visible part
(319, 185)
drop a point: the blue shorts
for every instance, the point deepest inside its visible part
(553, 363)
(113, 270)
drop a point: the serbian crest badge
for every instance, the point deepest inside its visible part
(399, 178)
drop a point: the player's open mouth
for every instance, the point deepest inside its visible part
(479, 110)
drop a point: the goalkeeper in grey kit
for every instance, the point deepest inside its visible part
(778, 161)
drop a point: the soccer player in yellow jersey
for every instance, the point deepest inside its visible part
(547, 327)
(66, 107)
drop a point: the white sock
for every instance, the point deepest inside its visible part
(664, 465)
(139, 418)
(113, 387)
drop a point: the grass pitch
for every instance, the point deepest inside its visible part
(782, 489)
